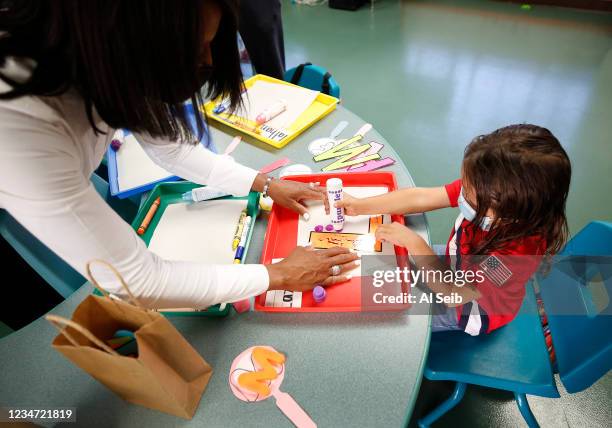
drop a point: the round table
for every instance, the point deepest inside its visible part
(345, 369)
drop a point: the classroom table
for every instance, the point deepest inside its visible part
(345, 369)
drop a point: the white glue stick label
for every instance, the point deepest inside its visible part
(334, 194)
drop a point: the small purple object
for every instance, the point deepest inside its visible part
(318, 228)
(115, 144)
(329, 227)
(319, 294)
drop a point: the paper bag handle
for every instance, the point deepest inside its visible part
(61, 323)
(131, 298)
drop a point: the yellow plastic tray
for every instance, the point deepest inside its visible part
(321, 106)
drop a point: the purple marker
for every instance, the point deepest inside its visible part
(319, 294)
(329, 227)
(318, 228)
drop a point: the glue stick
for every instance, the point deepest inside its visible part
(334, 194)
(271, 112)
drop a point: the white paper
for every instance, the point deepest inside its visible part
(262, 94)
(134, 167)
(283, 298)
(200, 232)
(352, 224)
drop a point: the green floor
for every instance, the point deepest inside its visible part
(431, 75)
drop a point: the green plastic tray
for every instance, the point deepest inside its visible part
(171, 193)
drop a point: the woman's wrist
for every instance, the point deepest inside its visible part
(276, 276)
(259, 182)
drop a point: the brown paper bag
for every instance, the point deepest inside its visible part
(168, 374)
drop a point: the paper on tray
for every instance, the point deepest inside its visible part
(262, 94)
(201, 232)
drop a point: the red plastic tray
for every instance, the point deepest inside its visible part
(281, 239)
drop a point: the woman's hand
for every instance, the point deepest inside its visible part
(292, 194)
(397, 234)
(305, 268)
(351, 205)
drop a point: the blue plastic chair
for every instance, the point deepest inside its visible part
(58, 274)
(576, 295)
(515, 358)
(313, 77)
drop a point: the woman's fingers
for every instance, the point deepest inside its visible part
(342, 259)
(334, 251)
(336, 280)
(299, 208)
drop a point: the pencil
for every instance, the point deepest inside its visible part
(149, 216)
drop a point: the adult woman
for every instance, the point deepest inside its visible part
(73, 72)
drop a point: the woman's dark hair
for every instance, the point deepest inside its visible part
(134, 61)
(523, 174)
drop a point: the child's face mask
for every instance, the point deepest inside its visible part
(470, 213)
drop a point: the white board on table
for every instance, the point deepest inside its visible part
(135, 168)
(201, 232)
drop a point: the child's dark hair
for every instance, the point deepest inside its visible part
(523, 174)
(134, 61)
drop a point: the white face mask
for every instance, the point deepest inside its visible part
(470, 213)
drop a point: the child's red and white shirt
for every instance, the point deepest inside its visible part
(505, 272)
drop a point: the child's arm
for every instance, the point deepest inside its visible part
(424, 257)
(404, 201)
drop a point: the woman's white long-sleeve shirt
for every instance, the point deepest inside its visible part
(48, 152)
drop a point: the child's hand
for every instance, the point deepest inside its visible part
(350, 204)
(396, 234)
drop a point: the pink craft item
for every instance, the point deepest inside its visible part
(244, 363)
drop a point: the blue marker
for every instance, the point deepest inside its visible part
(243, 238)
(221, 107)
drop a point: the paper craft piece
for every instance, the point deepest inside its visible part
(274, 165)
(375, 221)
(343, 148)
(283, 298)
(350, 159)
(200, 232)
(321, 145)
(372, 165)
(259, 96)
(352, 241)
(264, 367)
(134, 167)
(232, 146)
(348, 154)
(258, 381)
(374, 148)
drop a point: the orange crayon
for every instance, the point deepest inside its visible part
(150, 214)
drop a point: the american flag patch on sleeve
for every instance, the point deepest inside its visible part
(495, 270)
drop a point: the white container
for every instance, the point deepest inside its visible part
(334, 194)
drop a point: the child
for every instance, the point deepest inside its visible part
(512, 192)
